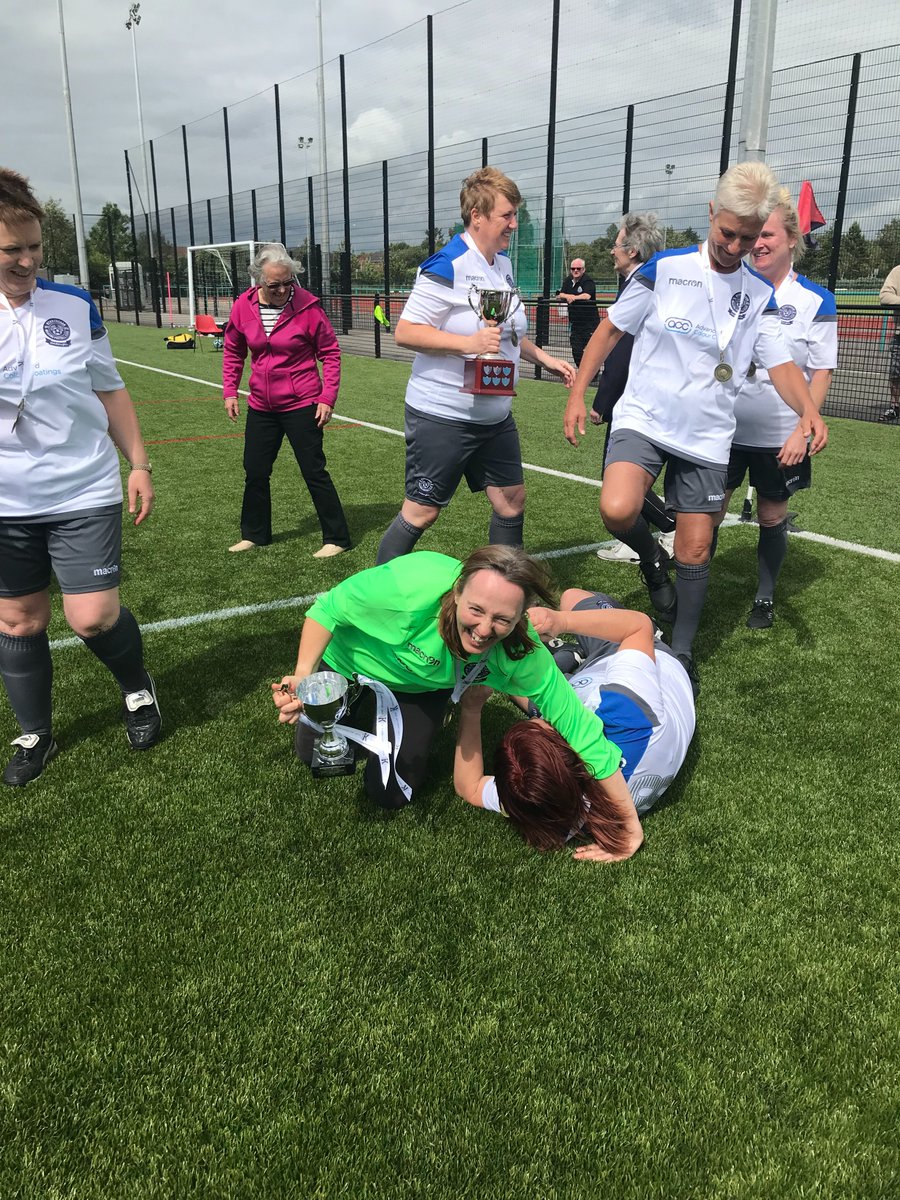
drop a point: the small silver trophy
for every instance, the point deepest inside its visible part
(325, 700)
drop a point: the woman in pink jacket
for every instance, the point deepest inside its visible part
(288, 335)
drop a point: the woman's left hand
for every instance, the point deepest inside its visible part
(594, 853)
(324, 414)
(140, 488)
(559, 366)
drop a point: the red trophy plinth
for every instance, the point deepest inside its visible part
(489, 377)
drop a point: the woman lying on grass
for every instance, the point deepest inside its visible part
(425, 627)
(643, 696)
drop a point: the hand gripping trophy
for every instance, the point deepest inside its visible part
(490, 374)
(325, 699)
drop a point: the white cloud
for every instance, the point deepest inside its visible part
(374, 135)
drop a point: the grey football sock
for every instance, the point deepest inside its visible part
(507, 531)
(400, 538)
(121, 650)
(691, 583)
(640, 540)
(770, 552)
(27, 672)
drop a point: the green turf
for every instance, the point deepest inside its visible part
(223, 980)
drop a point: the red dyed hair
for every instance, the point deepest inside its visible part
(549, 793)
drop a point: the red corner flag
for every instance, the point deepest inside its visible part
(808, 211)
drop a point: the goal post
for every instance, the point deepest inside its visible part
(217, 272)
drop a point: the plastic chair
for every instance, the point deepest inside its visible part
(206, 327)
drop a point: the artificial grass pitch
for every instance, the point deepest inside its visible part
(223, 979)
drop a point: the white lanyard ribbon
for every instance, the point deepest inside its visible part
(730, 325)
(466, 676)
(387, 713)
(27, 349)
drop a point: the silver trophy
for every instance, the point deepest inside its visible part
(325, 699)
(495, 306)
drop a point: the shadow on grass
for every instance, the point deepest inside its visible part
(199, 688)
(733, 586)
(361, 518)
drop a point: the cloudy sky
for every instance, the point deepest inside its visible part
(491, 75)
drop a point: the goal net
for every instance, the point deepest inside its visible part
(217, 274)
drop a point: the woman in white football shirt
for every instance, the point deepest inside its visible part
(767, 435)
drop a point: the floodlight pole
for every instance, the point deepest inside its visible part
(757, 92)
(83, 272)
(134, 19)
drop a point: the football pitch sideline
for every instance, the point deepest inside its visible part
(225, 979)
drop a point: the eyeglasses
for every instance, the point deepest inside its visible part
(277, 287)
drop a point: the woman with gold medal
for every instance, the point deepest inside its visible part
(699, 317)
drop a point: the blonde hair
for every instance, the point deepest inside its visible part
(748, 189)
(791, 221)
(481, 190)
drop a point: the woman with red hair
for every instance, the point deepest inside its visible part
(643, 696)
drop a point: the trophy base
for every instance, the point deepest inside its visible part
(489, 377)
(321, 767)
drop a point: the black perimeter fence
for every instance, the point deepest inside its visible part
(832, 122)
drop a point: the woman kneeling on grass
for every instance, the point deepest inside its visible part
(641, 693)
(428, 627)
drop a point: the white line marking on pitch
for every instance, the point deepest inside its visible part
(822, 538)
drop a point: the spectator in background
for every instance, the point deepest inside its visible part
(890, 294)
(637, 240)
(579, 293)
(287, 334)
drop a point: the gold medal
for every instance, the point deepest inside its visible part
(723, 372)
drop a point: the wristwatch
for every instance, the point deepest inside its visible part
(148, 467)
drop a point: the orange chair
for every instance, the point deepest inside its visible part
(206, 327)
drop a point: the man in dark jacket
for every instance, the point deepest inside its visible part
(579, 293)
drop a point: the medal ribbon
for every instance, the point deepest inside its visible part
(387, 712)
(27, 350)
(731, 325)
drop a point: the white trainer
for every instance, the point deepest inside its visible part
(667, 541)
(617, 551)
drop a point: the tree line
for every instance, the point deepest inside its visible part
(864, 262)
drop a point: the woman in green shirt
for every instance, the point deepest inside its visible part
(428, 626)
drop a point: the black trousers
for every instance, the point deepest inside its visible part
(578, 340)
(423, 716)
(263, 436)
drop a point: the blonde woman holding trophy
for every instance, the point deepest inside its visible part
(466, 323)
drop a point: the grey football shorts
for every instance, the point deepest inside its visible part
(689, 486)
(82, 551)
(440, 453)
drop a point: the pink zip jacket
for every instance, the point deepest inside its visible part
(284, 372)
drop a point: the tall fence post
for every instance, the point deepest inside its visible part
(543, 312)
(386, 235)
(175, 254)
(731, 84)
(626, 173)
(135, 263)
(282, 223)
(154, 275)
(346, 283)
(187, 181)
(429, 26)
(231, 233)
(253, 215)
(313, 262)
(115, 269)
(484, 152)
(834, 265)
(159, 241)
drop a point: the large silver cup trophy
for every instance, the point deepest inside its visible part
(324, 696)
(492, 374)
